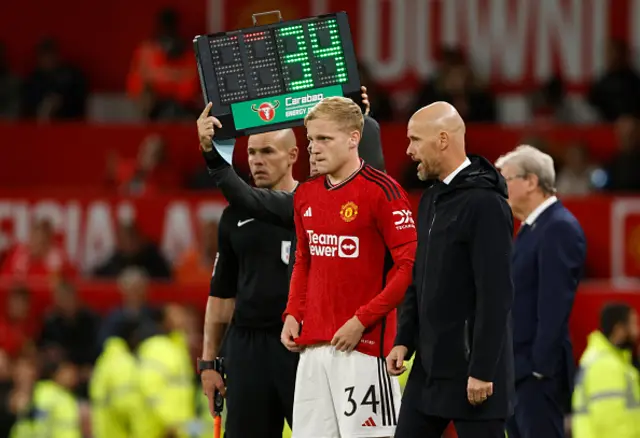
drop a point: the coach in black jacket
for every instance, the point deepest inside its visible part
(457, 313)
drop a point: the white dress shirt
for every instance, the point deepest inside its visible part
(453, 174)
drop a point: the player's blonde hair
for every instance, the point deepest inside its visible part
(342, 110)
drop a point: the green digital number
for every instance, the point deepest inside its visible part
(300, 56)
(333, 51)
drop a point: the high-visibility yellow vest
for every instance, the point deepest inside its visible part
(116, 400)
(167, 385)
(54, 413)
(606, 399)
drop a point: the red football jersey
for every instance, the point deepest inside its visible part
(346, 236)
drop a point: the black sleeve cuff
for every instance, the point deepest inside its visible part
(214, 160)
(406, 341)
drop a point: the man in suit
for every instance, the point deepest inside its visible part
(548, 260)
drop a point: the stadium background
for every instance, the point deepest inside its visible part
(87, 100)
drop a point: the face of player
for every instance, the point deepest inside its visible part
(270, 160)
(313, 170)
(330, 146)
(425, 148)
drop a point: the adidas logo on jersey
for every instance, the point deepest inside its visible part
(369, 423)
(307, 213)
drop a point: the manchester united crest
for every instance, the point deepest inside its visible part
(349, 211)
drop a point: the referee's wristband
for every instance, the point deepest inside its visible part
(214, 160)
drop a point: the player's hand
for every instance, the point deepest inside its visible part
(365, 100)
(478, 391)
(206, 128)
(212, 381)
(348, 336)
(290, 332)
(395, 360)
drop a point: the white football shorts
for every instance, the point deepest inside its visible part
(344, 395)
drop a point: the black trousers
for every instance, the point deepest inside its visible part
(261, 377)
(538, 410)
(414, 424)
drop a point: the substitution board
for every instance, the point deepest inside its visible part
(267, 77)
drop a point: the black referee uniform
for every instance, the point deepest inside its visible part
(252, 264)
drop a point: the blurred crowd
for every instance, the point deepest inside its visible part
(65, 353)
(164, 84)
(69, 354)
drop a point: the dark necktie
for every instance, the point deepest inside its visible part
(524, 229)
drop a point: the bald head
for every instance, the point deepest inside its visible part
(271, 158)
(439, 117)
(284, 139)
(436, 135)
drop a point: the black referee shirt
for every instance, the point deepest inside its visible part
(251, 267)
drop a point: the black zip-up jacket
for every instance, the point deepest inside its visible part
(457, 312)
(276, 206)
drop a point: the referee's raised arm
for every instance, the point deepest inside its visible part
(272, 206)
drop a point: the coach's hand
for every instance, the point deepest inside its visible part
(206, 128)
(348, 336)
(395, 360)
(365, 101)
(290, 332)
(212, 381)
(478, 391)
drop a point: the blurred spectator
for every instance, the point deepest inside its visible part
(55, 408)
(623, 169)
(7, 415)
(133, 250)
(456, 84)
(17, 325)
(381, 106)
(617, 92)
(41, 258)
(607, 391)
(575, 176)
(148, 173)
(133, 287)
(55, 89)
(71, 326)
(9, 89)
(116, 401)
(163, 76)
(549, 104)
(196, 263)
(167, 377)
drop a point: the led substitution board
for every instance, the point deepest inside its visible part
(267, 77)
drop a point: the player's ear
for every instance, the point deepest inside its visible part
(354, 139)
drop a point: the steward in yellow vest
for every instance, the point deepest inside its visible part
(606, 399)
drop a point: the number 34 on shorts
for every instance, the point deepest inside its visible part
(345, 395)
(379, 407)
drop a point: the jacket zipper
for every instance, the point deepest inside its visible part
(428, 243)
(467, 343)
